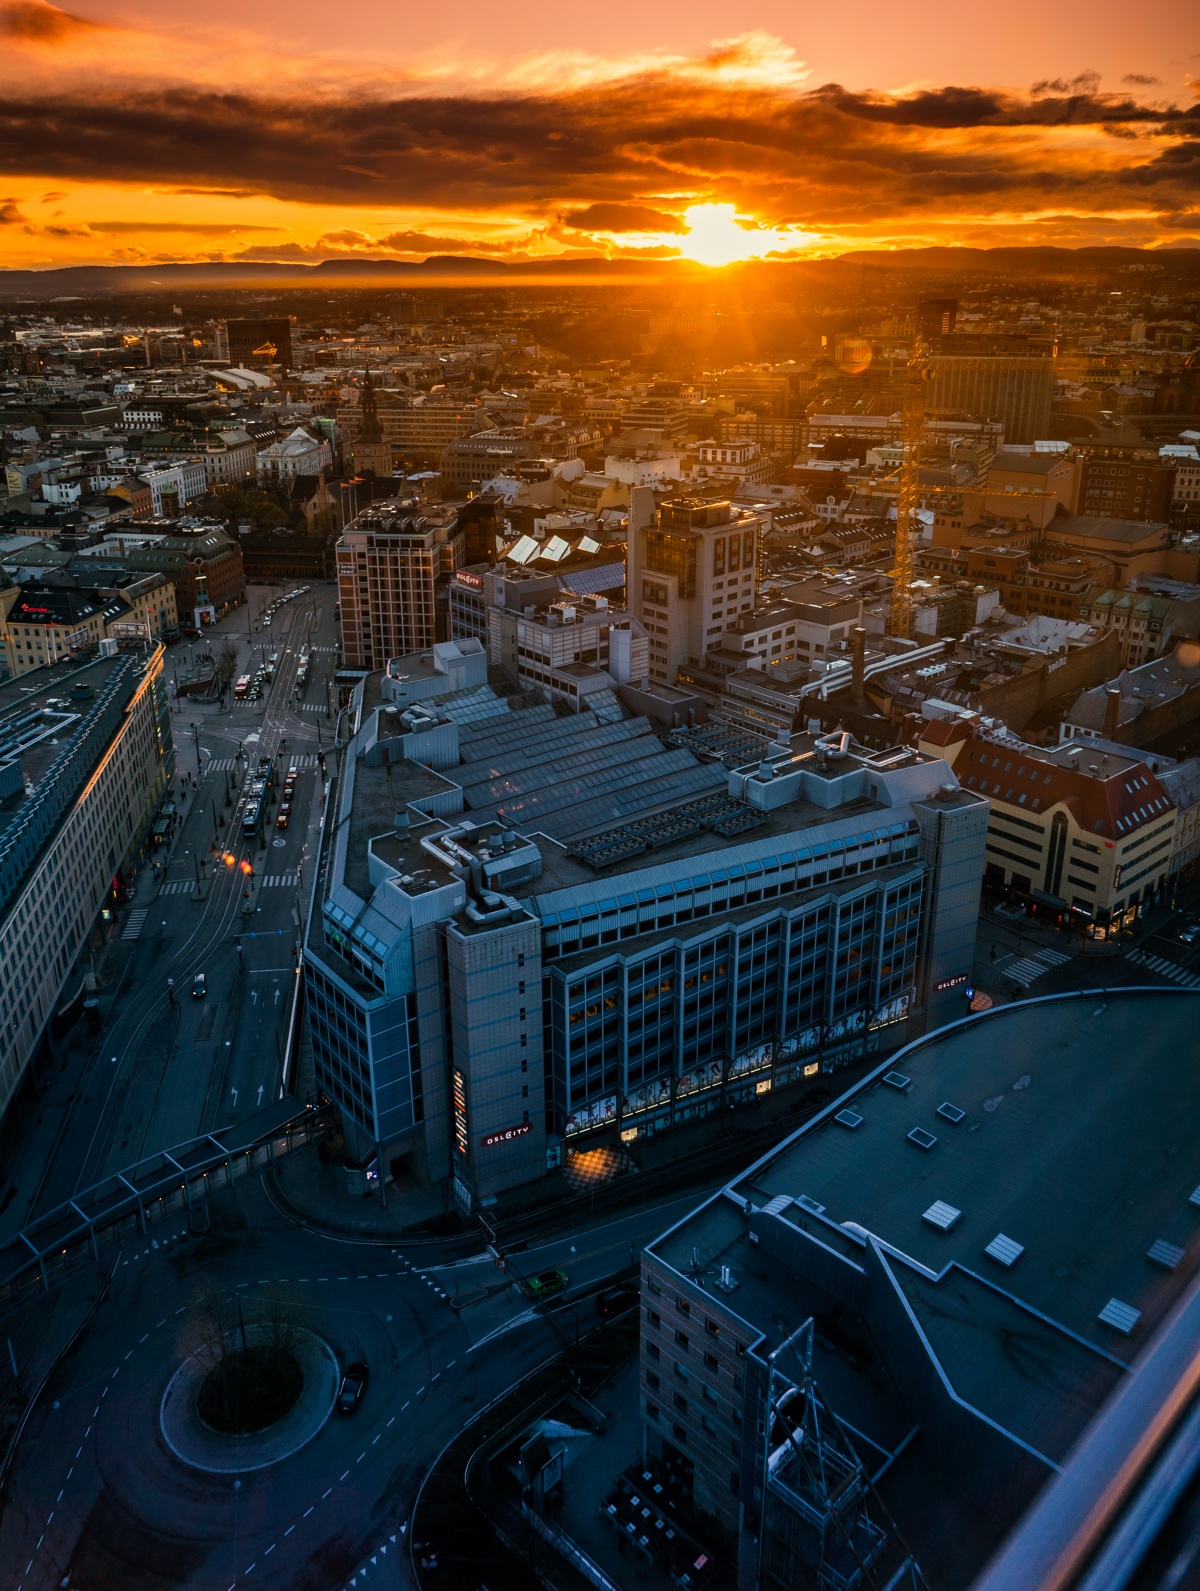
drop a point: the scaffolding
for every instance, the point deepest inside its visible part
(824, 1527)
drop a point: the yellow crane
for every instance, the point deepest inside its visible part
(908, 524)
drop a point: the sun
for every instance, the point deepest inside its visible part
(714, 236)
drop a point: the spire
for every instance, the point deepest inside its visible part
(369, 429)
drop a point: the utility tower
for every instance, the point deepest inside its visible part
(908, 525)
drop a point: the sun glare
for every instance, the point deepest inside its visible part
(715, 238)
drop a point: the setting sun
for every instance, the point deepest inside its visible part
(715, 237)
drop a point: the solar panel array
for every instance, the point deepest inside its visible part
(731, 746)
(566, 777)
(718, 812)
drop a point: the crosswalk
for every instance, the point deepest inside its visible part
(133, 923)
(1165, 968)
(310, 707)
(181, 886)
(230, 764)
(1029, 968)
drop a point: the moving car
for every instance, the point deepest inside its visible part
(353, 1385)
(546, 1284)
(1190, 933)
(284, 816)
(199, 987)
(616, 1300)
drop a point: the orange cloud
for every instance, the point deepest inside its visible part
(38, 22)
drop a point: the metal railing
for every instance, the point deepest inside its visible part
(98, 1220)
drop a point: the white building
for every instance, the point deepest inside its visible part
(298, 454)
(181, 480)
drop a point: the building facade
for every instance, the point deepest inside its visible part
(390, 561)
(536, 934)
(92, 802)
(692, 569)
(1079, 829)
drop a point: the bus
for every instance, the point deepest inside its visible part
(241, 688)
(302, 673)
(272, 665)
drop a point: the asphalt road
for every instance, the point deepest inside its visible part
(98, 1503)
(166, 1067)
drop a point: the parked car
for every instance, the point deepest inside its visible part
(546, 1284)
(616, 1300)
(1189, 933)
(199, 987)
(353, 1385)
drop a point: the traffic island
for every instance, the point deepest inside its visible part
(254, 1406)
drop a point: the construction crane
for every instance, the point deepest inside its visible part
(908, 524)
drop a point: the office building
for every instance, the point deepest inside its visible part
(85, 758)
(390, 560)
(201, 560)
(872, 1350)
(692, 570)
(537, 934)
(1015, 389)
(259, 344)
(1083, 831)
(1126, 483)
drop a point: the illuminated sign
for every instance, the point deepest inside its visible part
(461, 1142)
(951, 983)
(475, 582)
(490, 1140)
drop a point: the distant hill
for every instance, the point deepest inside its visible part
(88, 281)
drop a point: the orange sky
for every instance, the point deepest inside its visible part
(537, 130)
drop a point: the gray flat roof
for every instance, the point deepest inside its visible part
(1080, 1141)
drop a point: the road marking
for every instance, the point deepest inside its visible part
(325, 1493)
(129, 1355)
(142, 1339)
(340, 1478)
(271, 1548)
(434, 1377)
(452, 1364)
(288, 1531)
(374, 1439)
(310, 1508)
(392, 1421)
(360, 1457)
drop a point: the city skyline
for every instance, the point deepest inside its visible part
(125, 139)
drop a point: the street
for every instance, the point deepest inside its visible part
(166, 1066)
(97, 1501)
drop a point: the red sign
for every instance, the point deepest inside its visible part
(465, 579)
(490, 1140)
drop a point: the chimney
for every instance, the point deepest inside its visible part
(858, 666)
(1112, 710)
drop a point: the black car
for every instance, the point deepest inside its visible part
(354, 1384)
(616, 1300)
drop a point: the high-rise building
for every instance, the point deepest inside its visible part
(85, 757)
(692, 569)
(1013, 388)
(539, 933)
(936, 317)
(389, 561)
(255, 344)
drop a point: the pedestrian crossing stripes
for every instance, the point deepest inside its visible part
(330, 649)
(183, 886)
(1029, 968)
(221, 765)
(1165, 968)
(133, 923)
(310, 707)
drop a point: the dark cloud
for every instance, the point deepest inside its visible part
(1180, 220)
(1140, 80)
(10, 213)
(36, 22)
(622, 218)
(599, 157)
(206, 228)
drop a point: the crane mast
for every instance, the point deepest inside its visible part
(908, 525)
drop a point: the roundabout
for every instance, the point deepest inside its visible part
(191, 1409)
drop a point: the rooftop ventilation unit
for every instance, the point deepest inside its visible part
(941, 1215)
